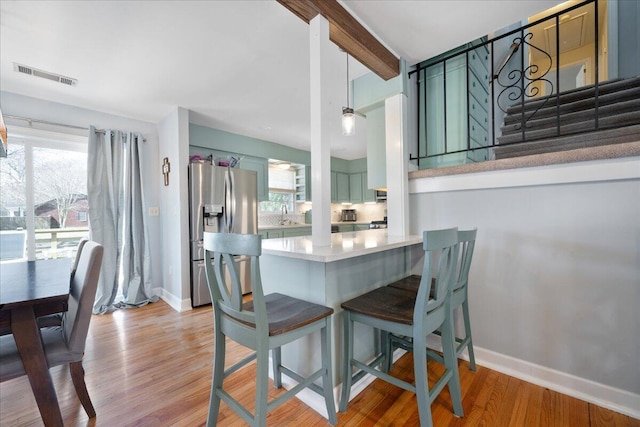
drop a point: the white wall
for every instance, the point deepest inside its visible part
(23, 106)
(555, 279)
(173, 133)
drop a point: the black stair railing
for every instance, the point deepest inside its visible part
(524, 83)
(511, 85)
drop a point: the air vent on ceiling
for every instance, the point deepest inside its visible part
(69, 81)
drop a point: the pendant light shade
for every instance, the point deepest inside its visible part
(348, 121)
(348, 116)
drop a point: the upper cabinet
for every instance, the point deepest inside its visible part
(262, 170)
(342, 187)
(368, 195)
(350, 188)
(355, 188)
(334, 188)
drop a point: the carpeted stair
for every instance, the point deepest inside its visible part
(618, 120)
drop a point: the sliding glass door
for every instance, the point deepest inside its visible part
(43, 196)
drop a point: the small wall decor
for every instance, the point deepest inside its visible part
(166, 168)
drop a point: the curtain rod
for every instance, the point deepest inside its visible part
(45, 122)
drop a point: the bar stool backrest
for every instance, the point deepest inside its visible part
(467, 239)
(441, 254)
(226, 289)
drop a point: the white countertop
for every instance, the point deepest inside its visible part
(343, 245)
(302, 225)
(280, 227)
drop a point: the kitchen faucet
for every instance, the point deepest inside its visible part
(283, 212)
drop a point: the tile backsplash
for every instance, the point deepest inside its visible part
(364, 212)
(269, 219)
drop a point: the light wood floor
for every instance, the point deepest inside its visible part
(152, 367)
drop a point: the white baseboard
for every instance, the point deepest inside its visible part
(605, 396)
(174, 302)
(608, 397)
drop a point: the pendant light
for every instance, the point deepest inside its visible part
(348, 117)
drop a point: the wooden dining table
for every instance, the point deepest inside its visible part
(28, 290)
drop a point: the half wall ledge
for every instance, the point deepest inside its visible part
(612, 151)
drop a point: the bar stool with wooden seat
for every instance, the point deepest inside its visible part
(459, 298)
(265, 323)
(401, 312)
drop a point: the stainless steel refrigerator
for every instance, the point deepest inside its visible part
(221, 200)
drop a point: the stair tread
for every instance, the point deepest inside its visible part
(608, 110)
(567, 142)
(585, 92)
(550, 109)
(619, 120)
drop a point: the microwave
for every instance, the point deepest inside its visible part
(381, 196)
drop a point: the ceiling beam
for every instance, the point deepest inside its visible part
(348, 34)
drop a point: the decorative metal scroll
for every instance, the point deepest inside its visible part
(520, 83)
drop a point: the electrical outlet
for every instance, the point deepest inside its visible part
(154, 211)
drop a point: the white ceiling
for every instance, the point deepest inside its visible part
(240, 66)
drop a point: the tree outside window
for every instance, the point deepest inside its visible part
(59, 184)
(49, 181)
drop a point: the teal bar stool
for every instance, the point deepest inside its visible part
(404, 313)
(459, 298)
(265, 323)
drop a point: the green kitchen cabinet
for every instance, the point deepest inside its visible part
(297, 231)
(368, 195)
(261, 167)
(345, 228)
(342, 187)
(334, 188)
(274, 234)
(355, 188)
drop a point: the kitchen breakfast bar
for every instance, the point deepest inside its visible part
(353, 264)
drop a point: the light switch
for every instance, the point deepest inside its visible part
(154, 211)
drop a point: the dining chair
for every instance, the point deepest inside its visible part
(65, 344)
(404, 313)
(57, 318)
(76, 260)
(459, 298)
(51, 320)
(267, 322)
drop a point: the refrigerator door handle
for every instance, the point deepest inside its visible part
(228, 188)
(231, 204)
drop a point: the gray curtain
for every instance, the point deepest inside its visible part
(116, 219)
